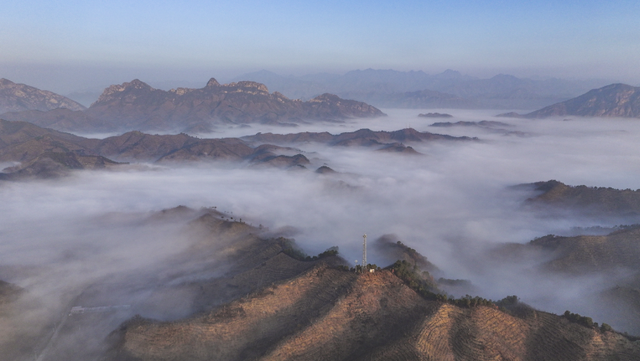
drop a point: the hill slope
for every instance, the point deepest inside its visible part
(615, 100)
(593, 201)
(330, 314)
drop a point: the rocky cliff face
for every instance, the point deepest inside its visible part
(19, 97)
(615, 100)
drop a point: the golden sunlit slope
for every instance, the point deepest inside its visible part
(331, 314)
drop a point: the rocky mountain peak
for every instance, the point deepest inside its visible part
(212, 83)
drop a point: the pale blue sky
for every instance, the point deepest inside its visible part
(73, 43)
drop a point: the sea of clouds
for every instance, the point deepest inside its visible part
(450, 203)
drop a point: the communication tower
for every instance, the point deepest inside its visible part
(364, 250)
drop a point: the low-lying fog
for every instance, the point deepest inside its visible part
(448, 204)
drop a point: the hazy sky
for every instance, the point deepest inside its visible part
(48, 42)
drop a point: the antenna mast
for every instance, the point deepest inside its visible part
(364, 250)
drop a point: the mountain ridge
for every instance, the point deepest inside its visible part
(18, 97)
(49, 152)
(136, 105)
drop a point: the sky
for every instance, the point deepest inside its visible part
(71, 45)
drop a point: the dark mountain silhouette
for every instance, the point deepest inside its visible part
(18, 97)
(615, 100)
(45, 153)
(42, 152)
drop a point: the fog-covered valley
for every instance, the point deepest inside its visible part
(454, 203)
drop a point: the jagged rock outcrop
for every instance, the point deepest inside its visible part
(615, 100)
(19, 97)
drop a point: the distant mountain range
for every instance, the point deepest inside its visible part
(137, 106)
(615, 100)
(416, 89)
